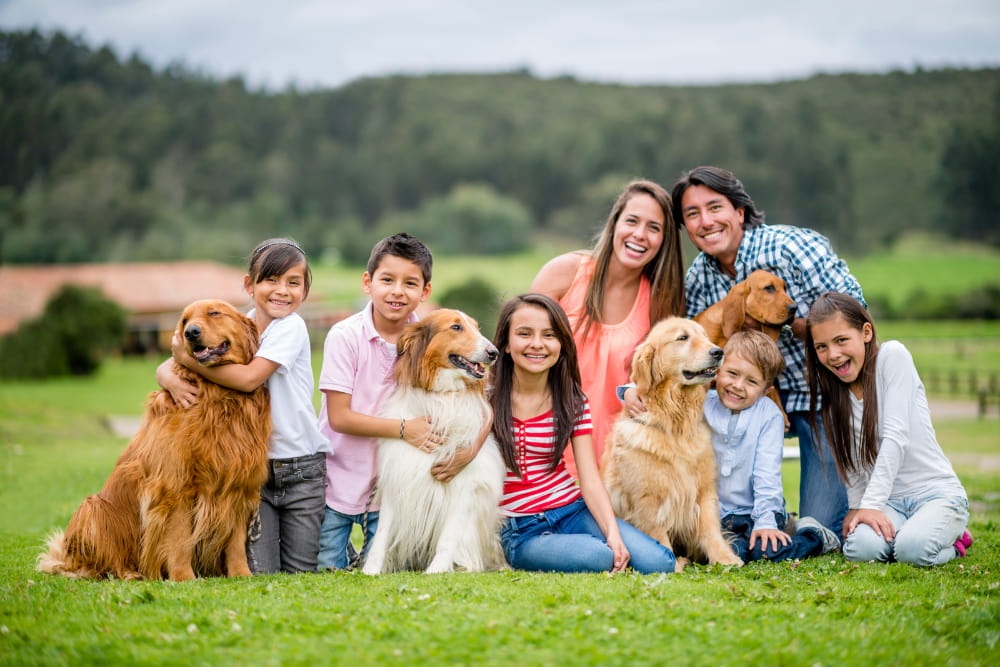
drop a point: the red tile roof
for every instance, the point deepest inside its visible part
(141, 288)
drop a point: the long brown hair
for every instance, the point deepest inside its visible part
(665, 271)
(563, 378)
(836, 410)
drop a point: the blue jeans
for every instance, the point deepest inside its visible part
(336, 533)
(286, 537)
(568, 539)
(821, 493)
(926, 530)
(738, 527)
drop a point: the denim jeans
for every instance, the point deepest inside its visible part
(291, 509)
(926, 530)
(738, 527)
(336, 533)
(568, 539)
(821, 493)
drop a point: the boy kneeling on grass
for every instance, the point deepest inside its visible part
(748, 440)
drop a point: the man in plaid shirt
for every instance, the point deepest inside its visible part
(724, 224)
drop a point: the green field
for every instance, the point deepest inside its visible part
(55, 449)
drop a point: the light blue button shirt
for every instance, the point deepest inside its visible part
(748, 449)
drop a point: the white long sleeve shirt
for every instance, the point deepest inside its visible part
(910, 462)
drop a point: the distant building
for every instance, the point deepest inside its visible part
(154, 294)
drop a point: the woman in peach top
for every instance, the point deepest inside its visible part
(612, 294)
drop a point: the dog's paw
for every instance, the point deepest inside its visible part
(728, 560)
(441, 563)
(681, 563)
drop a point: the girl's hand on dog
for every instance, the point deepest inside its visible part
(769, 538)
(445, 471)
(183, 392)
(180, 352)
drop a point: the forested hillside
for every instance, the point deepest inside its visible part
(104, 158)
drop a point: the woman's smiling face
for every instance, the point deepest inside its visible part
(638, 231)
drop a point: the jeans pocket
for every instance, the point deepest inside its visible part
(313, 473)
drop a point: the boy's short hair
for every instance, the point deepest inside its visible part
(757, 348)
(406, 247)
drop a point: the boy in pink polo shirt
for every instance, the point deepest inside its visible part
(356, 379)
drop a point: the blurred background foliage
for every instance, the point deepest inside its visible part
(103, 158)
(74, 333)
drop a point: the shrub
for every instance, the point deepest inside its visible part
(476, 298)
(72, 335)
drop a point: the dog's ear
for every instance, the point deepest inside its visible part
(409, 353)
(734, 309)
(642, 368)
(252, 334)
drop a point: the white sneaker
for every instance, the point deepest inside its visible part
(830, 540)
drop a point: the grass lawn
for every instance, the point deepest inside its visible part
(55, 449)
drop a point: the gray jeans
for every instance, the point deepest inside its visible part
(285, 535)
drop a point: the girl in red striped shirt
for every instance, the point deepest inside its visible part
(551, 523)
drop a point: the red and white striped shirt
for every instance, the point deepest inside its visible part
(539, 489)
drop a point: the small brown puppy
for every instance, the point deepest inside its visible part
(762, 298)
(759, 302)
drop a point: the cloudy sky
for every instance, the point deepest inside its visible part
(309, 43)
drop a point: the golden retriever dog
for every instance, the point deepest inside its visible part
(759, 302)
(659, 467)
(180, 498)
(425, 524)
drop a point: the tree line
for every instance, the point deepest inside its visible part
(103, 157)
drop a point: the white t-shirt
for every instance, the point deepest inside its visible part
(910, 463)
(294, 432)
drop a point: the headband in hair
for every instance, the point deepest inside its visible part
(268, 245)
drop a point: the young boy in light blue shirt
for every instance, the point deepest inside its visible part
(748, 437)
(748, 440)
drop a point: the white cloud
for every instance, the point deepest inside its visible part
(324, 42)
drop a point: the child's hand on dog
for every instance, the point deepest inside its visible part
(633, 402)
(420, 433)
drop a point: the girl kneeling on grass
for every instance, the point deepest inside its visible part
(552, 524)
(906, 502)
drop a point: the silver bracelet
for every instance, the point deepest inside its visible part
(402, 425)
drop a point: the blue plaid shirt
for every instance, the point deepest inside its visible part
(805, 260)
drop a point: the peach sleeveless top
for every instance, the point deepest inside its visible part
(605, 357)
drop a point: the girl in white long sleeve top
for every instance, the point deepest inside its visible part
(906, 503)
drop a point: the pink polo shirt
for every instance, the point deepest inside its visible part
(356, 361)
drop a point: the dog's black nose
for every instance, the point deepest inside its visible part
(492, 354)
(716, 353)
(193, 332)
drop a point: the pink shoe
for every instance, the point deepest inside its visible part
(963, 543)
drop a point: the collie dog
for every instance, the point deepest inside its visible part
(180, 498)
(425, 524)
(659, 467)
